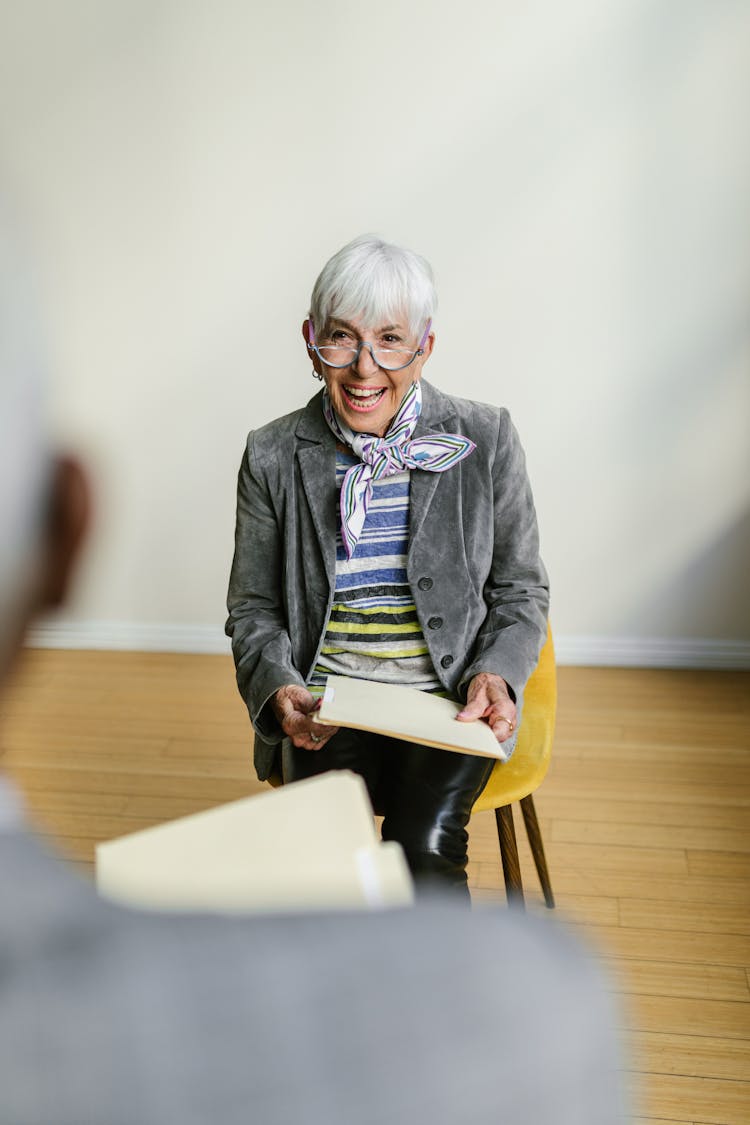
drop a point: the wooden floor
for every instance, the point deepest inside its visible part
(645, 815)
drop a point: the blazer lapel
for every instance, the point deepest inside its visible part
(421, 492)
(436, 410)
(316, 456)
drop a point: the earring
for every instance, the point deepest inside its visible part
(315, 375)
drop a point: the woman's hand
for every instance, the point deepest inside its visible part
(294, 706)
(488, 698)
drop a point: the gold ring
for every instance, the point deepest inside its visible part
(511, 724)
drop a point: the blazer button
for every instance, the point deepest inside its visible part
(446, 661)
(425, 583)
(435, 623)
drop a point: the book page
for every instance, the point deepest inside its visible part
(404, 712)
(311, 845)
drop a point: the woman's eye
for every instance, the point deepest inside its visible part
(340, 337)
(391, 341)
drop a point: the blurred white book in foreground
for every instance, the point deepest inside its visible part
(310, 845)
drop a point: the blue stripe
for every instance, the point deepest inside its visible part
(397, 518)
(373, 578)
(385, 531)
(390, 488)
(371, 550)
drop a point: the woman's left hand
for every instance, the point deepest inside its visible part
(488, 698)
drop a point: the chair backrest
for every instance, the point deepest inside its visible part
(524, 772)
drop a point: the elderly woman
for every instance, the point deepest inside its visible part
(385, 531)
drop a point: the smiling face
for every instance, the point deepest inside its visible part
(365, 396)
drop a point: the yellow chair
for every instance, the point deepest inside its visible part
(517, 779)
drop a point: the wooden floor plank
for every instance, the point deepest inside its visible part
(659, 1052)
(712, 1101)
(642, 812)
(623, 858)
(669, 888)
(591, 910)
(685, 916)
(668, 978)
(720, 1019)
(658, 1121)
(91, 827)
(717, 865)
(670, 945)
(125, 775)
(632, 789)
(728, 749)
(652, 835)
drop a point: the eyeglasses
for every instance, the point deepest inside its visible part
(345, 353)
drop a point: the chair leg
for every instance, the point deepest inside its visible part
(537, 848)
(509, 851)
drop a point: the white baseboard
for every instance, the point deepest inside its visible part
(622, 652)
(131, 636)
(652, 652)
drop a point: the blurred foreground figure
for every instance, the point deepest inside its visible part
(115, 1017)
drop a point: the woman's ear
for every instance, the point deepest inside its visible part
(67, 521)
(426, 353)
(311, 355)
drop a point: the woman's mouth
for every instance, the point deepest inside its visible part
(363, 398)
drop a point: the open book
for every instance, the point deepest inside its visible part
(404, 712)
(311, 845)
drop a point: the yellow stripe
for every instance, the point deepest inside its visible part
(342, 607)
(384, 653)
(378, 627)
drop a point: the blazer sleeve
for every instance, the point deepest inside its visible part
(257, 623)
(516, 592)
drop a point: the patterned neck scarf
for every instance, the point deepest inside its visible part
(381, 457)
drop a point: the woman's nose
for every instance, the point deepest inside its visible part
(365, 363)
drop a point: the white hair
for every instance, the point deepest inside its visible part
(24, 457)
(377, 281)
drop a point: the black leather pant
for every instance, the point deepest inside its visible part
(425, 796)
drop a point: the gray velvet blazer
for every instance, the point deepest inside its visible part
(479, 585)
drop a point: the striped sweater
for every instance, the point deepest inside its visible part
(373, 632)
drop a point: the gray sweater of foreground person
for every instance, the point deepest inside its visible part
(430, 1014)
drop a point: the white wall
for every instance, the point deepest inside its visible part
(578, 174)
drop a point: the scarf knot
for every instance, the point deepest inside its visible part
(379, 457)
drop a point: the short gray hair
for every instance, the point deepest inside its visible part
(376, 280)
(24, 455)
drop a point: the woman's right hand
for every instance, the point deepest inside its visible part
(294, 707)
